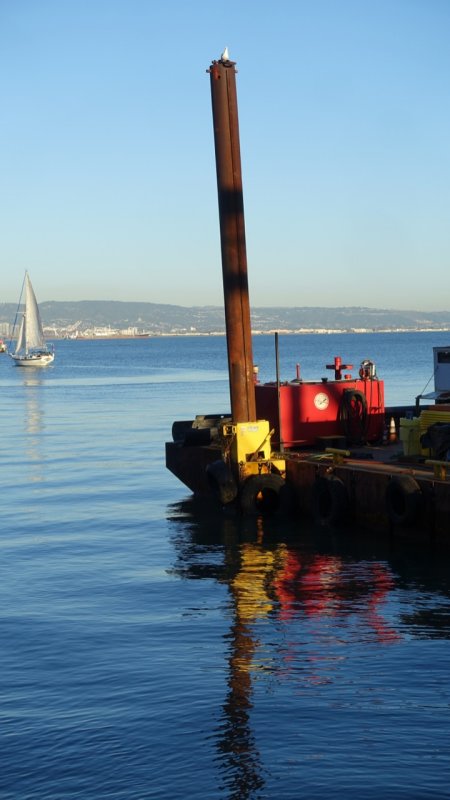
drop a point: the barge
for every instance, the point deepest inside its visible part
(329, 448)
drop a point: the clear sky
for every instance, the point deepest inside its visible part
(108, 186)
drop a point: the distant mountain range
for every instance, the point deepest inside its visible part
(155, 318)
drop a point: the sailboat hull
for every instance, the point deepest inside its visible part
(33, 360)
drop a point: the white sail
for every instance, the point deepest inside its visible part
(20, 344)
(34, 334)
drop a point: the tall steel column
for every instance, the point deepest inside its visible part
(232, 236)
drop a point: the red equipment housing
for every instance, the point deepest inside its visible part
(303, 412)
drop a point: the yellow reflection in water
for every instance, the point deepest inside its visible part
(249, 586)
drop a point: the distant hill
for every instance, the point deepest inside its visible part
(158, 318)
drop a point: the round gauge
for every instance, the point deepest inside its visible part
(321, 401)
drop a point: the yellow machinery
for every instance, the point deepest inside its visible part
(247, 449)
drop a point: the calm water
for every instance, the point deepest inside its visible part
(149, 650)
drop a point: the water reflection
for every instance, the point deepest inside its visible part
(34, 426)
(302, 603)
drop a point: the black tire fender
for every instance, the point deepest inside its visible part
(403, 500)
(267, 494)
(329, 500)
(180, 428)
(221, 482)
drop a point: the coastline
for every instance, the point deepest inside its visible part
(200, 334)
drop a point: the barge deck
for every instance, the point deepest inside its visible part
(375, 488)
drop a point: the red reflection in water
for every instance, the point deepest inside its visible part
(324, 585)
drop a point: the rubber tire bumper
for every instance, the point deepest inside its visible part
(266, 495)
(403, 500)
(221, 482)
(330, 501)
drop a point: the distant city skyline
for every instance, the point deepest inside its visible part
(106, 318)
(108, 171)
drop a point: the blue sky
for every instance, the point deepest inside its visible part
(108, 186)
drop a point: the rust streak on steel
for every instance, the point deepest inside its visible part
(232, 236)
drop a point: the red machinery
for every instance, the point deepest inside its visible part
(304, 412)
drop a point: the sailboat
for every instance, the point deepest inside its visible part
(31, 347)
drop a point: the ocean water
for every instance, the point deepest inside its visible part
(150, 649)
